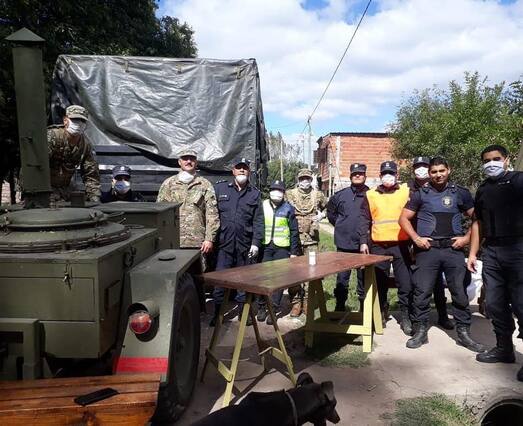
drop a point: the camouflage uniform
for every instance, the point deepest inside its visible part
(307, 204)
(199, 220)
(64, 158)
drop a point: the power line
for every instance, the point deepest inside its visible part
(337, 66)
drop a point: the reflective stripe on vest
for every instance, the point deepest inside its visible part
(281, 236)
(385, 210)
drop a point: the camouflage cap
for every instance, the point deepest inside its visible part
(76, 111)
(304, 173)
(186, 152)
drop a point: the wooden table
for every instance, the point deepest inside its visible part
(51, 401)
(266, 278)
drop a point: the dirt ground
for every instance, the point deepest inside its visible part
(367, 395)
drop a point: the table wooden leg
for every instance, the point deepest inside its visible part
(320, 297)
(236, 353)
(376, 309)
(216, 332)
(368, 310)
(309, 320)
(259, 341)
(285, 358)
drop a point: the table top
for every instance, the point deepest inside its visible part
(268, 277)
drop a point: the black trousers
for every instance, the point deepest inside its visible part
(503, 280)
(341, 291)
(227, 260)
(401, 263)
(272, 252)
(429, 265)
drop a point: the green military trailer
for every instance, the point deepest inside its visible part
(85, 291)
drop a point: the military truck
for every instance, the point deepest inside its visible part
(85, 291)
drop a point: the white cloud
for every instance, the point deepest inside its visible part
(405, 45)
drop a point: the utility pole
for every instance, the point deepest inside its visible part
(309, 162)
(281, 155)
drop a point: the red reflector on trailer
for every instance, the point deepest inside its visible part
(140, 322)
(141, 365)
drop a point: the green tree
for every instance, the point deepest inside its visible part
(97, 27)
(457, 123)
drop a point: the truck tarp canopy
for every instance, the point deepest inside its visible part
(161, 105)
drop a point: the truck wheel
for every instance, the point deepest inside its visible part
(174, 396)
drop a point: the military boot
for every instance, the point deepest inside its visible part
(464, 339)
(240, 310)
(405, 323)
(502, 352)
(261, 316)
(420, 337)
(215, 316)
(443, 318)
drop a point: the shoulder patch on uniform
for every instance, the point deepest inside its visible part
(222, 181)
(223, 197)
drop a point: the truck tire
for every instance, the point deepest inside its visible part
(175, 395)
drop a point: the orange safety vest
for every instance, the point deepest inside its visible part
(385, 210)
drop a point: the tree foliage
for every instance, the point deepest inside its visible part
(457, 123)
(94, 27)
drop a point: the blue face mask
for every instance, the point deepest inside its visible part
(122, 187)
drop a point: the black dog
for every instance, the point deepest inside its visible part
(307, 402)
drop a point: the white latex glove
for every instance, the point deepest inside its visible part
(253, 251)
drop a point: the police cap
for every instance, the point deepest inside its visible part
(358, 168)
(76, 111)
(420, 160)
(304, 173)
(186, 152)
(242, 160)
(121, 171)
(388, 166)
(277, 184)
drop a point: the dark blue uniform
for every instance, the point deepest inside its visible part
(344, 212)
(499, 208)
(439, 215)
(110, 196)
(241, 225)
(439, 289)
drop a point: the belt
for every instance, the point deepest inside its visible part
(441, 243)
(503, 241)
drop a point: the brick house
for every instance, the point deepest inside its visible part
(337, 151)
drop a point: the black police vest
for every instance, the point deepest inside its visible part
(500, 208)
(439, 215)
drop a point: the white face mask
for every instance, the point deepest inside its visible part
(185, 177)
(422, 172)
(276, 196)
(305, 184)
(241, 179)
(76, 127)
(122, 187)
(388, 181)
(494, 168)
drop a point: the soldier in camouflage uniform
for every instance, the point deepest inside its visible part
(309, 204)
(199, 220)
(69, 149)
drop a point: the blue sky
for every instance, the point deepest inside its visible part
(401, 46)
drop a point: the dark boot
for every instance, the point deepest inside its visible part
(405, 323)
(340, 305)
(502, 352)
(420, 337)
(261, 316)
(240, 310)
(443, 318)
(520, 374)
(269, 318)
(215, 316)
(464, 339)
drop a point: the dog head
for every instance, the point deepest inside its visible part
(315, 402)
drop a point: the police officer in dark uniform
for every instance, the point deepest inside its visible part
(343, 212)
(420, 166)
(241, 227)
(439, 239)
(121, 187)
(281, 238)
(499, 220)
